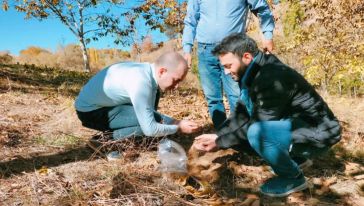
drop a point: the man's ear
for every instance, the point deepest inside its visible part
(247, 58)
(161, 70)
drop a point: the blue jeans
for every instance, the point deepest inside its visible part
(272, 141)
(120, 119)
(123, 122)
(214, 81)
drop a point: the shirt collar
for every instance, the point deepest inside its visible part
(252, 70)
(243, 80)
(152, 67)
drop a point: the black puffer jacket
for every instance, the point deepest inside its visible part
(279, 92)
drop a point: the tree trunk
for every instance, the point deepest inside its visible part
(86, 61)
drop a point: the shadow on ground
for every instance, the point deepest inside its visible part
(31, 79)
(20, 164)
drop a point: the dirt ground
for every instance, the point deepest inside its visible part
(44, 159)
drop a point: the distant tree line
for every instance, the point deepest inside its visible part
(91, 20)
(67, 57)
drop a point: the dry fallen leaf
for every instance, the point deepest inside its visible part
(353, 168)
(203, 166)
(325, 188)
(203, 188)
(296, 198)
(43, 170)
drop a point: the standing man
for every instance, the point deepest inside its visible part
(123, 98)
(279, 115)
(209, 22)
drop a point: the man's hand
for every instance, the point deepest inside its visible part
(188, 58)
(205, 142)
(187, 127)
(268, 45)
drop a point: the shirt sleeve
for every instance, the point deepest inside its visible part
(142, 97)
(190, 21)
(234, 129)
(261, 9)
(165, 118)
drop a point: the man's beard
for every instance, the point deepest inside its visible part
(240, 73)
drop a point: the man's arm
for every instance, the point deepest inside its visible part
(234, 129)
(184, 126)
(261, 9)
(165, 119)
(231, 133)
(142, 99)
(190, 21)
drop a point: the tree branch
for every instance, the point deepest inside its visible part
(59, 14)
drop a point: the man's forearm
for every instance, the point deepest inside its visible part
(261, 9)
(234, 129)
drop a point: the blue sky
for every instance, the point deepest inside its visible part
(17, 33)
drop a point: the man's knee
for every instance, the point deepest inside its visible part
(254, 134)
(272, 132)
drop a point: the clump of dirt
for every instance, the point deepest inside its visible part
(11, 137)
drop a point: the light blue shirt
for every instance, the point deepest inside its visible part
(212, 20)
(126, 83)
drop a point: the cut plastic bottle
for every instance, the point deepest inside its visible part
(172, 156)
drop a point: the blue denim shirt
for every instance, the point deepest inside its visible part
(209, 21)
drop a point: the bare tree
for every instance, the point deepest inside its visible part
(86, 19)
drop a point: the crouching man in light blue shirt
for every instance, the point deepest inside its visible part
(123, 98)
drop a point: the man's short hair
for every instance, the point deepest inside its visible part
(171, 60)
(236, 43)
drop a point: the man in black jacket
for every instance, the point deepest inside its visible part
(279, 115)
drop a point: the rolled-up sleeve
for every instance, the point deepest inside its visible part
(261, 9)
